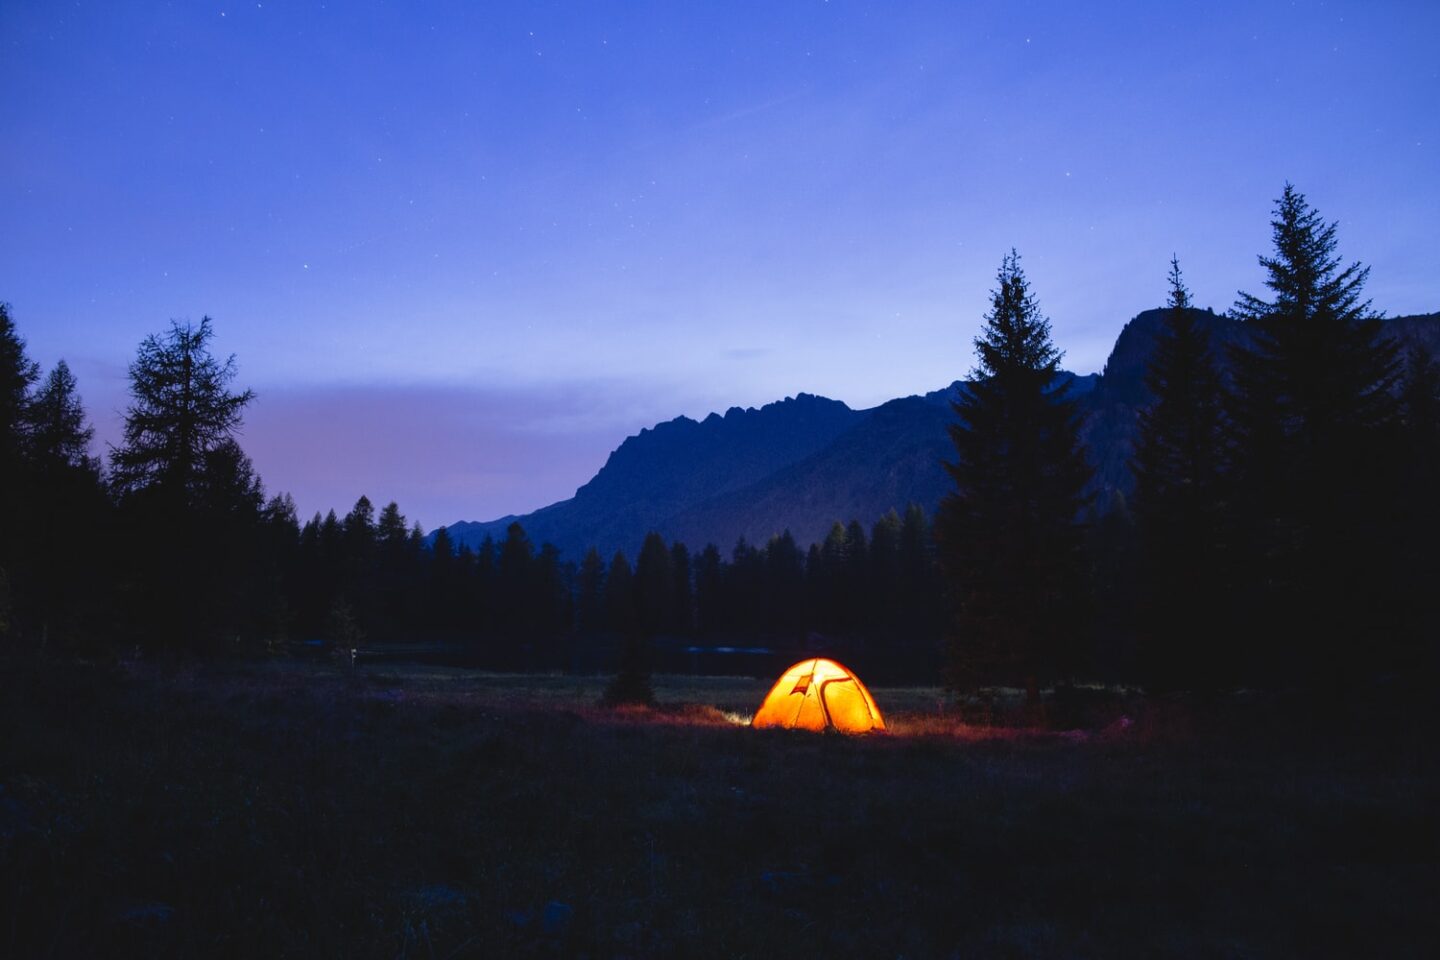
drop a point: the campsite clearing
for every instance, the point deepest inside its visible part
(288, 809)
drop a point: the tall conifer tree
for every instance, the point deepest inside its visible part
(65, 504)
(1314, 417)
(631, 683)
(17, 374)
(590, 604)
(1010, 534)
(185, 483)
(1178, 501)
(181, 409)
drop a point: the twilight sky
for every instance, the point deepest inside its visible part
(462, 250)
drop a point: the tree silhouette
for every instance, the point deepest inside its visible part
(683, 607)
(184, 484)
(1009, 534)
(654, 587)
(590, 604)
(1179, 472)
(17, 374)
(710, 609)
(631, 683)
(515, 580)
(620, 617)
(784, 591)
(65, 504)
(57, 438)
(181, 409)
(1314, 416)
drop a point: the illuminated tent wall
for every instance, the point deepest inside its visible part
(819, 694)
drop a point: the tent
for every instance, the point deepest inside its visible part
(819, 694)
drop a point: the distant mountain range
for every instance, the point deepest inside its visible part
(804, 462)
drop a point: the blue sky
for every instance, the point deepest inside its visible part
(462, 250)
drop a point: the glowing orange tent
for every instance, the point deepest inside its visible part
(819, 694)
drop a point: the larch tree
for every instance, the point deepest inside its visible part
(185, 486)
(181, 409)
(1010, 533)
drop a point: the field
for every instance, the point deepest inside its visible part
(284, 809)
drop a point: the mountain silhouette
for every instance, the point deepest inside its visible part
(802, 463)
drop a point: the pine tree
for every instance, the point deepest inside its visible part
(827, 584)
(185, 487)
(745, 588)
(620, 596)
(683, 610)
(57, 437)
(181, 409)
(330, 556)
(654, 587)
(360, 528)
(65, 504)
(17, 374)
(395, 581)
(1009, 534)
(710, 608)
(590, 614)
(444, 581)
(515, 584)
(1178, 503)
(486, 588)
(551, 588)
(280, 559)
(856, 589)
(1314, 417)
(784, 606)
(631, 683)
(390, 530)
(919, 594)
(359, 564)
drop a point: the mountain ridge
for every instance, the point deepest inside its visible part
(805, 461)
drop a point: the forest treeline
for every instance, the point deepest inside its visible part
(1281, 530)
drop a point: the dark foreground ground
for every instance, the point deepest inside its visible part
(274, 810)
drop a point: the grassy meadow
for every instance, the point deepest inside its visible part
(284, 809)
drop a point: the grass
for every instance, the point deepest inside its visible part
(301, 810)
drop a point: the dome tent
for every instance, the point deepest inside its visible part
(819, 694)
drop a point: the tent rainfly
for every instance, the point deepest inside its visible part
(819, 694)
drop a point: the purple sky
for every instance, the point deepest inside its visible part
(462, 250)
